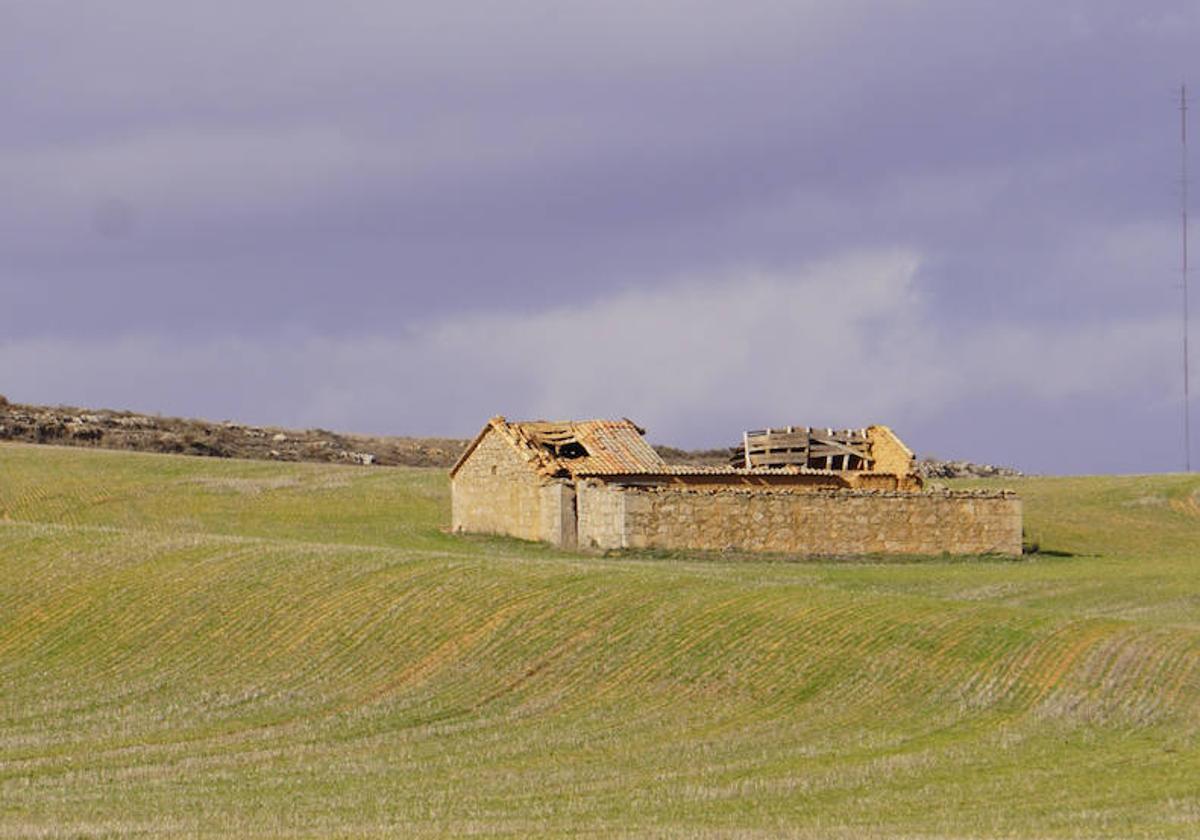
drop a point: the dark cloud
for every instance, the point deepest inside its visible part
(281, 172)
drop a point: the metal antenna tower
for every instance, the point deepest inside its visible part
(1183, 168)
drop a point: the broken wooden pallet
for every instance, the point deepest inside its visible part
(804, 446)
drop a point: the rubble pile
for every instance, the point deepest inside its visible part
(929, 467)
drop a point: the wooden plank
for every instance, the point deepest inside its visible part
(838, 441)
(805, 430)
(835, 462)
(820, 451)
(824, 450)
(777, 461)
(779, 440)
(843, 449)
(830, 447)
(817, 451)
(801, 438)
(782, 439)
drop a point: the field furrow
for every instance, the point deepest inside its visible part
(192, 646)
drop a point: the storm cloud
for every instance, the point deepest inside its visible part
(957, 218)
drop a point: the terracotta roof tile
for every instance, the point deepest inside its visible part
(579, 447)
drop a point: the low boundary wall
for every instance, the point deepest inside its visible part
(806, 522)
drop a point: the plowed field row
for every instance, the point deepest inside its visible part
(185, 650)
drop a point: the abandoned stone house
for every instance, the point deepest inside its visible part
(599, 484)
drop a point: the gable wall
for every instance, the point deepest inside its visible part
(891, 456)
(496, 491)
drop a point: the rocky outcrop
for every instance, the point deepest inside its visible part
(150, 433)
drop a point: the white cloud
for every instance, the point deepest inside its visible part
(849, 341)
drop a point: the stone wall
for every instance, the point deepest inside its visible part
(497, 492)
(601, 514)
(822, 523)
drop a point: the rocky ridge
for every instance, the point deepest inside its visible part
(110, 429)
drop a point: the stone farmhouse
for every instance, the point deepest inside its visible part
(819, 492)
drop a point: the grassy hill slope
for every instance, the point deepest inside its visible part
(193, 646)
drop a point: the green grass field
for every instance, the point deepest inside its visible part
(196, 647)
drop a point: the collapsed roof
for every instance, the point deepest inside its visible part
(577, 447)
(805, 446)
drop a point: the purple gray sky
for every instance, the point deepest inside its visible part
(957, 218)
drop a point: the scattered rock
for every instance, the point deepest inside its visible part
(929, 467)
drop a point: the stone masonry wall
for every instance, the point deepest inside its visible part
(497, 492)
(601, 514)
(828, 523)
